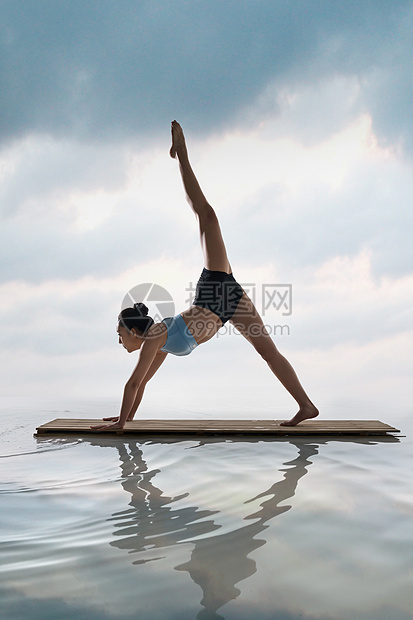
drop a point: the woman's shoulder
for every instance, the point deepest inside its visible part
(157, 330)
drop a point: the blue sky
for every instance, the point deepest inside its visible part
(298, 119)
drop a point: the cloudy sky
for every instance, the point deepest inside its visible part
(298, 118)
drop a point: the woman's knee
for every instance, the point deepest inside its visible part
(205, 211)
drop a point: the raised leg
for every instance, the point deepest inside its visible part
(212, 243)
(249, 323)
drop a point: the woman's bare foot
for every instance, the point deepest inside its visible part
(178, 140)
(304, 413)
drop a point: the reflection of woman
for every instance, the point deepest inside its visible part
(218, 299)
(219, 559)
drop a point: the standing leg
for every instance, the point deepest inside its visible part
(249, 323)
(212, 243)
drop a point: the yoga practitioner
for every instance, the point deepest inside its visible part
(218, 299)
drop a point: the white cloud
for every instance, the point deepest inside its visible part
(307, 193)
(43, 175)
(343, 302)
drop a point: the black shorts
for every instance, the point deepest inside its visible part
(219, 292)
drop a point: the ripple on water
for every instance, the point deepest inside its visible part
(74, 507)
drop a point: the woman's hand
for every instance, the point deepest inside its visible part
(114, 418)
(108, 427)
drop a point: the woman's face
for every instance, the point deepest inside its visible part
(129, 340)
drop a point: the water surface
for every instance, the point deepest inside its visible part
(232, 528)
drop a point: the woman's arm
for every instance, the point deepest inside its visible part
(150, 359)
(139, 396)
(157, 362)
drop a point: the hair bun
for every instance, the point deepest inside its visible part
(141, 309)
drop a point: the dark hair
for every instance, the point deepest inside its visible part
(136, 317)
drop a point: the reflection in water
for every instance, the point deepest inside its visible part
(216, 570)
(218, 561)
(152, 521)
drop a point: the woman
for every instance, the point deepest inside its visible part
(218, 299)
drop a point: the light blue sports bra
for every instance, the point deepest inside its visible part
(180, 341)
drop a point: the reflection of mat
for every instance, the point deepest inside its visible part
(228, 427)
